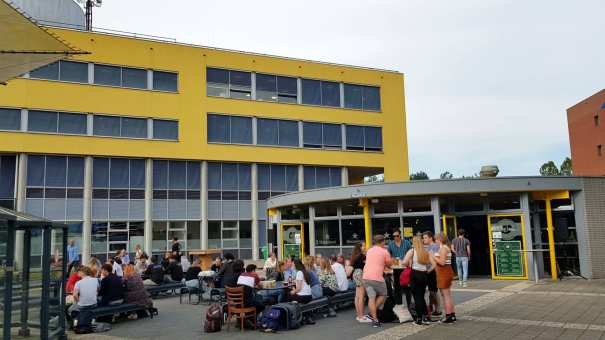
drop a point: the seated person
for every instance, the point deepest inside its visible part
(191, 276)
(301, 293)
(111, 291)
(289, 270)
(309, 263)
(341, 275)
(216, 265)
(135, 291)
(174, 271)
(249, 277)
(116, 266)
(278, 272)
(154, 274)
(71, 282)
(327, 278)
(85, 296)
(141, 263)
(270, 264)
(166, 260)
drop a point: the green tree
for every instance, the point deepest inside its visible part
(549, 169)
(565, 169)
(420, 175)
(446, 175)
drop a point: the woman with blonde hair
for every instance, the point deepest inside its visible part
(445, 275)
(327, 278)
(420, 261)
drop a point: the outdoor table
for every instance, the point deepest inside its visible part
(205, 257)
(280, 290)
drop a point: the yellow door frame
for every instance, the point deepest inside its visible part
(444, 218)
(491, 247)
(302, 237)
(547, 197)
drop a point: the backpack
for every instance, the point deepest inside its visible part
(405, 277)
(271, 320)
(214, 319)
(290, 315)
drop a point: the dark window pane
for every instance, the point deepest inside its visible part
(229, 195)
(34, 193)
(332, 135)
(291, 178)
(214, 176)
(241, 130)
(240, 79)
(371, 98)
(107, 75)
(177, 194)
(330, 94)
(106, 126)
(312, 135)
(160, 174)
(177, 174)
(134, 77)
(278, 178)
(244, 177)
(50, 71)
(118, 173)
(218, 129)
(74, 123)
(75, 172)
(309, 174)
(335, 177)
(214, 195)
(263, 195)
(10, 119)
(100, 173)
(118, 194)
(276, 193)
(264, 177)
(353, 231)
(165, 129)
(311, 92)
(193, 175)
(355, 137)
(160, 194)
(193, 194)
(218, 76)
(323, 177)
(165, 81)
(327, 233)
(137, 194)
(75, 193)
(54, 193)
(134, 127)
(353, 96)
(229, 176)
(100, 193)
(73, 71)
(137, 173)
(288, 133)
(35, 170)
(266, 87)
(373, 138)
(287, 85)
(267, 131)
(245, 195)
(7, 176)
(42, 121)
(56, 171)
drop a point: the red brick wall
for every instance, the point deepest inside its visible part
(585, 135)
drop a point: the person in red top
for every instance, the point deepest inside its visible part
(251, 272)
(71, 281)
(377, 259)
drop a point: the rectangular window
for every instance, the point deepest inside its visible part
(362, 97)
(311, 92)
(353, 96)
(267, 131)
(240, 85)
(287, 90)
(288, 133)
(312, 135)
(229, 129)
(72, 123)
(165, 129)
(596, 120)
(364, 138)
(330, 94)
(165, 81)
(266, 87)
(332, 136)
(354, 137)
(106, 126)
(42, 121)
(56, 171)
(217, 81)
(49, 72)
(371, 98)
(134, 78)
(599, 150)
(134, 127)
(319, 92)
(241, 130)
(108, 75)
(73, 71)
(321, 177)
(309, 176)
(10, 119)
(373, 138)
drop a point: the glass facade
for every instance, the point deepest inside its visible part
(7, 181)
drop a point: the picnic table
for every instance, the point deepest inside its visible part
(279, 291)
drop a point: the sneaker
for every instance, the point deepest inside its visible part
(436, 313)
(464, 284)
(426, 321)
(376, 324)
(448, 320)
(364, 319)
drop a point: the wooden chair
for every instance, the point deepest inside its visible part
(235, 306)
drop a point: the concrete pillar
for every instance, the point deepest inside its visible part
(344, 177)
(436, 214)
(148, 228)
(204, 203)
(21, 184)
(312, 230)
(87, 213)
(280, 235)
(255, 238)
(537, 236)
(301, 178)
(584, 246)
(528, 236)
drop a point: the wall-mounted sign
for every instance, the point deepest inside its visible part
(408, 232)
(497, 235)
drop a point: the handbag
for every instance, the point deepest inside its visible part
(404, 278)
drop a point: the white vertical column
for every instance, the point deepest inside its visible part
(148, 228)
(344, 177)
(436, 214)
(149, 79)
(280, 235)
(253, 85)
(298, 91)
(21, 183)
(255, 236)
(342, 95)
(89, 124)
(254, 131)
(300, 134)
(343, 129)
(87, 212)
(311, 230)
(91, 73)
(204, 203)
(528, 237)
(24, 120)
(301, 178)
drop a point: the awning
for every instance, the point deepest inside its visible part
(25, 45)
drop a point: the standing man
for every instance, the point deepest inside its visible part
(461, 246)
(398, 247)
(433, 248)
(176, 248)
(73, 256)
(377, 258)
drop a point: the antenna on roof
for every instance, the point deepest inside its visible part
(88, 5)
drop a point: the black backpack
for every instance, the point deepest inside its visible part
(290, 315)
(214, 319)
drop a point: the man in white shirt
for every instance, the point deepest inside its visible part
(85, 295)
(341, 275)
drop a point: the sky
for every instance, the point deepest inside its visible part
(486, 81)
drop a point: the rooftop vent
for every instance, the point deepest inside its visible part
(489, 171)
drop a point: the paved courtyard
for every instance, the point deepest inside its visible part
(572, 309)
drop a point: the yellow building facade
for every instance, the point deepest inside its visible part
(142, 140)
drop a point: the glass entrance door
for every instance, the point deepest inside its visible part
(450, 226)
(507, 247)
(293, 240)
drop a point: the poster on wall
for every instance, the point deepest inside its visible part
(509, 258)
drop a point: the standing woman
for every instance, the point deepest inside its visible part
(420, 260)
(358, 261)
(445, 275)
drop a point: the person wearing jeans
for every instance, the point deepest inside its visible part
(461, 246)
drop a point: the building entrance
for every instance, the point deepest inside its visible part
(476, 231)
